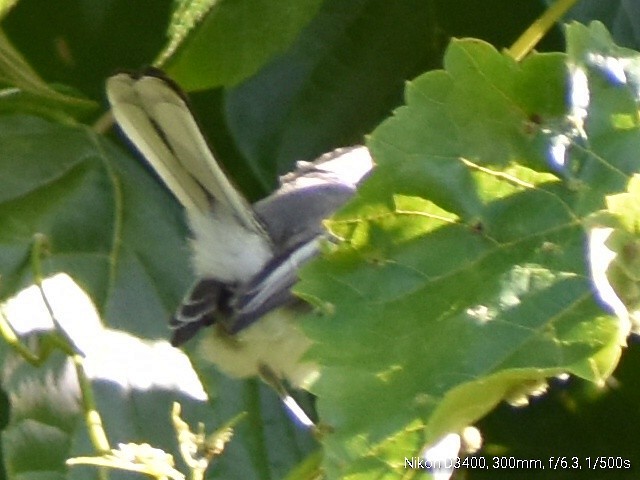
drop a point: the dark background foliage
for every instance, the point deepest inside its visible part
(262, 124)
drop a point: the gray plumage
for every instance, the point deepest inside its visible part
(246, 257)
(292, 218)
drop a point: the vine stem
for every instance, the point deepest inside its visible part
(538, 29)
(60, 339)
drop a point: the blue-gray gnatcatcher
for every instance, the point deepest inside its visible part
(246, 257)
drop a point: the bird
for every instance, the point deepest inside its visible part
(245, 257)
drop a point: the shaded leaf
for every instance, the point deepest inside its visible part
(121, 237)
(25, 92)
(619, 16)
(57, 178)
(341, 77)
(216, 43)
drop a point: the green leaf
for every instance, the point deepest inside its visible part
(216, 43)
(619, 230)
(25, 92)
(626, 206)
(464, 280)
(6, 6)
(96, 209)
(111, 227)
(44, 417)
(339, 79)
(620, 17)
(56, 178)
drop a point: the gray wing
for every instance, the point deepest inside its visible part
(293, 216)
(271, 288)
(210, 301)
(293, 221)
(205, 302)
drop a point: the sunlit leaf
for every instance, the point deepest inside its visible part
(440, 317)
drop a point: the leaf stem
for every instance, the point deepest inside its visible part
(38, 251)
(103, 123)
(59, 338)
(6, 330)
(14, 342)
(539, 28)
(92, 417)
